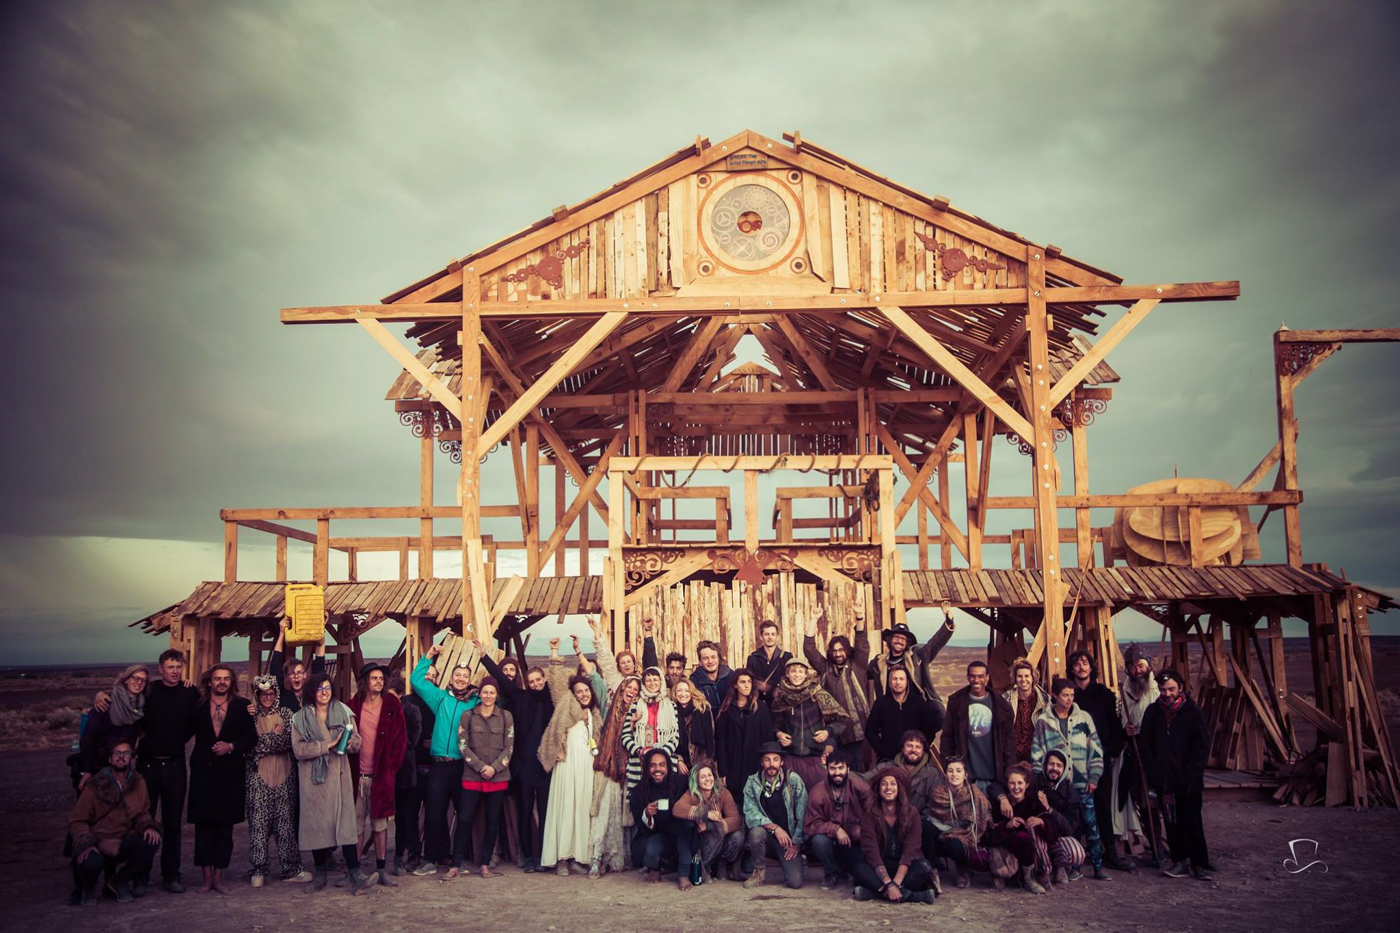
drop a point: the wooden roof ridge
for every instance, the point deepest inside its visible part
(701, 154)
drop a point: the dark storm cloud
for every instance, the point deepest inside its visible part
(175, 172)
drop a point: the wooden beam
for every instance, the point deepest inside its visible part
(561, 530)
(474, 595)
(413, 366)
(1288, 465)
(764, 464)
(230, 552)
(562, 367)
(245, 516)
(1373, 335)
(1152, 500)
(281, 531)
(812, 358)
(918, 482)
(694, 351)
(956, 370)
(1045, 473)
(1120, 329)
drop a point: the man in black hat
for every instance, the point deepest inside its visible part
(383, 733)
(775, 807)
(902, 649)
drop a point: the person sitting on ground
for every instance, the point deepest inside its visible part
(742, 727)
(902, 649)
(923, 774)
(903, 707)
(115, 715)
(696, 721)
(766, 662)
(712, 677)
(323, 738)
(893, 866)
(842, 674)
(271, 780)
(775, 808)
(980, 728)
(1026, 833)
(112, 829)
(718, 832)
(1066, 727)
(1175, 745)
(806, 720)
(962, 814)
(1026, 698)
(656, 826)
(835, 808)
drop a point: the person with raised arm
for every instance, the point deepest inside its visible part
(445, 779)
(567, 752)
(532, 708)
(842, 674)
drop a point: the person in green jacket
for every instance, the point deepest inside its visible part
(445, 776)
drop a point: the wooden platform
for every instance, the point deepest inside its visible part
(1250, 782)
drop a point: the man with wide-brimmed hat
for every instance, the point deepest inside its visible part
(383, 733)
(902, 649)
(775, 807)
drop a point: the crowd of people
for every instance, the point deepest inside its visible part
(842, 759)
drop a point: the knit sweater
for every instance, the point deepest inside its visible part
(1078, 740)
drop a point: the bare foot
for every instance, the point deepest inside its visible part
(684, 883)
(653, 876)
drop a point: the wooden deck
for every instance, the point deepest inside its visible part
(1218, 780)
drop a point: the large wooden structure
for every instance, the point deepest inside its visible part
(902, 338)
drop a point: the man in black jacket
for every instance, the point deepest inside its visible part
(655, 825)
(902, 708)
(1175, 745)
(406, 793)
(768, 661)
(168, 723)
(1101, 704)
(980, 728)
(224, 734)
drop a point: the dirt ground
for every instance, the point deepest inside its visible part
(1250, 840)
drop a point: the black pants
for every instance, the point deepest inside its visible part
(213, 844)
(467, 801)
(918, 878)
(1104, 807)
(650, 845)
(711, 846)
(407, 802)
(166, 782)
(322, 857)
(951, 848)
(836, 859)
(132, 861)
(1186, 835)
(444, 784)
(529, 797)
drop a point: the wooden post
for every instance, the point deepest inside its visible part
(403, 558)
(972, 477)
(417, 640)
(473, 404)
(531, 505)
(1047, 515)
(230, 551)
(751, 510)
(890, 582)
(425, 496)
(281, 553)
(1083, 534)
(352, 562)
(921, 510)
(613, 578)
(559, 508)
(1288, 465)
(945, 544)
(321, 554)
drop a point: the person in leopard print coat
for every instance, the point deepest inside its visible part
(272, 786)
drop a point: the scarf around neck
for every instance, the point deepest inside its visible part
(308, 724)
(786, 697)
(126, 708)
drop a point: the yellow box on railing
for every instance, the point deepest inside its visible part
(306, 607)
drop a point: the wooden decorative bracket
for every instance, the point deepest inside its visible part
(953, 260)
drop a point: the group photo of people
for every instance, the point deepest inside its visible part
(843, 766)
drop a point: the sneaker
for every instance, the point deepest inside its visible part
(863, 894)
(1100, 875)
(562, 870)
(300, 877)
(1076, 875)
(400, 869)
(172, 886)
(828, 882)
(121, 891)
(529, 867)
(1200, 874)
(425, 868)
(139, 888)
(1177, 870)
(256, 881)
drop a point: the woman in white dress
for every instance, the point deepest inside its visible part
(566, 752)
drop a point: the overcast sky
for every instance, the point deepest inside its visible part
(174, 173)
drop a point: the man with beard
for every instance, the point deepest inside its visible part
(834, 812)
(711, 677)
(767, 661)
(842, 673)
(902, 649)
(902, 708)
(980, 728)
(383, 740)
(1101, 704)
(445, 778)
(223, 734)
(112, 828)
(1175, 745)
(653, 802)
(806, 720)
(923, 776)
(1139, 693)
(775, 808)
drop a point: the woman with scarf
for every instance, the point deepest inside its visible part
(697, 726)
(717, 833)
(807, 720)
(272, 786)
(118, 719)
(962, 814)
(611, 818)
(325, 787)
(1027, 699)
(567, 752)
(652, 724)
(741, 728)
(1028, 833)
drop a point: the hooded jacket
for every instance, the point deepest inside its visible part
(954, 739)
(107, 811)
(824, 818)
(1078, 740)
(794, 800)
(671, 789)
(846, 682)
(890, 719)
(717, 689)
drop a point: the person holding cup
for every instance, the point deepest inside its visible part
(653, 801)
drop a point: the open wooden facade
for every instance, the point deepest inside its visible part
(906, 343)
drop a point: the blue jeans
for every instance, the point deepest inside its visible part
(1093, 842)
(836, 859)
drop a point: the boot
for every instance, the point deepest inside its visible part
(319, 879)
(731, 871)
(756, 879)
(360, 883)
(121, 890)
(862, 894)
(1061, 875)
(400, 869)
(907, 896)
(1043, 879)
(964, 876)
(89, 895)
(385, 881)
(1028, 881)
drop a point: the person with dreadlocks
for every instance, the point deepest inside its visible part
(567, 752)
(271, 786)
(741, 728)
(652, 804)
(842, 672)
(718, 827)
(807, 720)
(609, 848)
(1139, 693)
(893, 866)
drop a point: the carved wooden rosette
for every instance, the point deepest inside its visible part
(640, 566)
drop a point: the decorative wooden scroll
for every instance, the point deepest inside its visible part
(640, 566)
(953, 260)
(750, 565)
(550, 268)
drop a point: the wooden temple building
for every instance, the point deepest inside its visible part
(906, 343)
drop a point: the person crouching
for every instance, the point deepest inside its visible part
(891, 841)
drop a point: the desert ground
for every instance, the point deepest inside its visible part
(1250, 838)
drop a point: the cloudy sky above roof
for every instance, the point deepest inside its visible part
(173, 173)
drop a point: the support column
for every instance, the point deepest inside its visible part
(321, 553)
(474, 619)
(1083, 533)
(1288, 464)
(889, 566)
(230, 551)
(945, 544)
(531, 505)
(425, 496)
(974, 493)
(281, 559)
(1047, 516)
